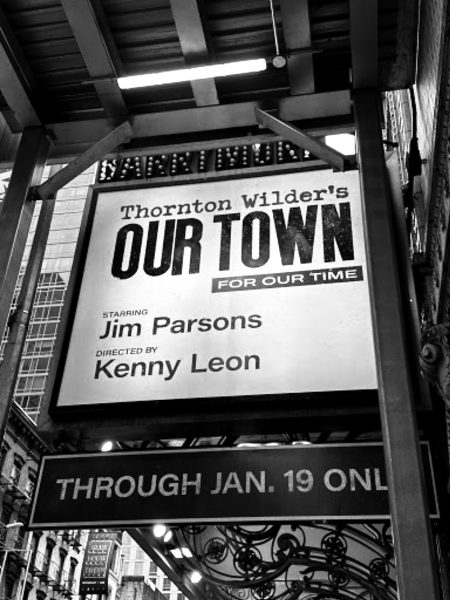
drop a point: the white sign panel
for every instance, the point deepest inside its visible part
(230, 288)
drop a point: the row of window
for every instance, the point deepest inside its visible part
(14, 476)
(53, 563)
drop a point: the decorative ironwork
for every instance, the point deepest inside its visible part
(300, 561)
(434, 358)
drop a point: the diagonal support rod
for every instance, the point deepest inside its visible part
(117, 136)
(301, 139)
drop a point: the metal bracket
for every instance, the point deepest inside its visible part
(303, 140)
(114, 138)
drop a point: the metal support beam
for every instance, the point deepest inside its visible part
(408, 501)
(194, 45)
(297, 36)
(364, 43)
(96, 152)
(20, 320)
(301, 139)
(17, 211)
(73, 137)
(410, 301)
(91, 42)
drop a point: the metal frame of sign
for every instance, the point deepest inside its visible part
(310, 471)
(198, 416)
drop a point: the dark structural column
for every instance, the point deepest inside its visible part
(17, 211)
(413, 545)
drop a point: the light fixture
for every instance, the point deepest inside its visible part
(14, 524)
(107, 446)
(278, 61)
(304, 441)
(195, 576)
(192, 74)
(249, 445)
(342, 142)
(168, 536)
(159, 530)
(182, 552)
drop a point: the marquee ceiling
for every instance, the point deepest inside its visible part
(59, 60)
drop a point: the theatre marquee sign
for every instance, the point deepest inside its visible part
(120, 489)
(218, 289)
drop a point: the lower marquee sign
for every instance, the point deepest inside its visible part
(242, 287)
(139, 488)
(97, 562)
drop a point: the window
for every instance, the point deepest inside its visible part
(115, 561)
(31, 383)
(48, 555)
(62, 558)
(38, 347)
(71, 577)
(139, 554)
(34, 547)
(35, 365)
(29, 402)
(16, 469)
(31, 482)
(20, 537)
(3, 452)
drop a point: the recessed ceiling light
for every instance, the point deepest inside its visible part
(195, 576)
(107, 446)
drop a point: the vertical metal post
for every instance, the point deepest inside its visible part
(414, 553)
(16, 212)
(9, 368)
(28, 556)
(3, 567)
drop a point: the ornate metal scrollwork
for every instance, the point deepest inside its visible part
(434, 358)
(298, 561)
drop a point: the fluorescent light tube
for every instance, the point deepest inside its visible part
(192, 74)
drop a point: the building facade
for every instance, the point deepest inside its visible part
(144, 575)
(34, 565)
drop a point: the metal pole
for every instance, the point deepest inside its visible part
(20, 320)
(3, 567)
(7, 550)
(27, 568)
(17, 211)
(415, 560)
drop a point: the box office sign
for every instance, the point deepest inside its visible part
(285, 483)
(232, 288)
(97, 562)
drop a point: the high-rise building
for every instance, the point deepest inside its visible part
(49, 298)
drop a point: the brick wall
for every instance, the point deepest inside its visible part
(430, 52)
